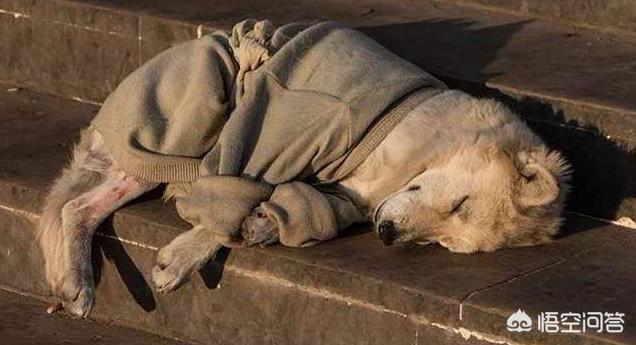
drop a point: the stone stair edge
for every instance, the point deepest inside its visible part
(522, 10)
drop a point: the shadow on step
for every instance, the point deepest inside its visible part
(450, 47)
(604, 169)
(212, 272)
(115, 252)
(604, 178)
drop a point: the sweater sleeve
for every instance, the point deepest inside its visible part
(220, 203)
(305, 216)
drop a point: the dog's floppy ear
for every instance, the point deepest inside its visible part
(538, 186)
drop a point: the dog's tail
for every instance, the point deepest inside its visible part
(84, 171)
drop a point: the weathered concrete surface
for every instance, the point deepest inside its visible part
(595, 279)
(22, 322)
(350, 290)
(70, 50)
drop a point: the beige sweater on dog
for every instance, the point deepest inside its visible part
(298, 103)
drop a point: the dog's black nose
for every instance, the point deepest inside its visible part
(387, 232)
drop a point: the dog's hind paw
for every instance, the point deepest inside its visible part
(76, 296)
(259, 229)
(74, 289)
(82, 305)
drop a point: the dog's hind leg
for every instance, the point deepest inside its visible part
(89, 190)
(80, 218)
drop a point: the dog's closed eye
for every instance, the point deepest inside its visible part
(413, 188)
(458, 204)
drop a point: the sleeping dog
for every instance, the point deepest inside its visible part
(290, 135)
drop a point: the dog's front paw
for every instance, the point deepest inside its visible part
(180, 259)
(257, 228)
(174, 267)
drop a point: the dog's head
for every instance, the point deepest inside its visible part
(480, 198)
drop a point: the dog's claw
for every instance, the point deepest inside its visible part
(54, 308)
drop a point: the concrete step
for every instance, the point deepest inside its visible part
(352, 290)
(573, 85)
(23, 323)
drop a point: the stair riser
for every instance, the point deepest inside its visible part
(246, 308)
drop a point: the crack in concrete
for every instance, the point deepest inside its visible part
(139, 39)
(323, 293)
(19, 15)
(468, 333)
(15, 15)
(87, 101)
(515, 278)
(33, 217)
(87, 28)
(564, 125)
(134, 243)
(624, 222)
(465, 333)
(99, 318)
(540, 95)
(504, 282)
(23, 293)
